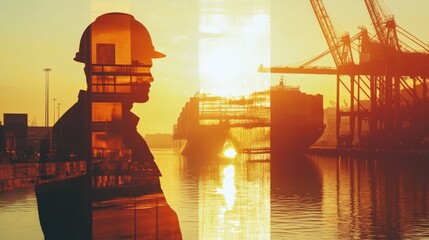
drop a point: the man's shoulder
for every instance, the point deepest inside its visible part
(74, 111)
(73, 117)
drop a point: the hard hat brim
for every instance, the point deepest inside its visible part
(115, 23)
(157, 54)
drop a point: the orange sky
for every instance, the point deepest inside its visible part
(46, 33)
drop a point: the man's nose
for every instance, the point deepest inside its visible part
(149, 78)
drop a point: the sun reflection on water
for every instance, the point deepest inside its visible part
(234, 200)
(228, 189)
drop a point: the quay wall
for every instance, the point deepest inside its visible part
(416, 153)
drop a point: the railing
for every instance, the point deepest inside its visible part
(109, 174)
(106, 174)
(26, 174)
(48, 172)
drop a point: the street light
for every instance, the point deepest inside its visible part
(47, 70)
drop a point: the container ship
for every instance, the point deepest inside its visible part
(294, 121)
(204, 126)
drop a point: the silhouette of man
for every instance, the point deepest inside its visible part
(117, 52)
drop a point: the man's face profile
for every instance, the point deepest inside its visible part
(117, 51)
(146, 84)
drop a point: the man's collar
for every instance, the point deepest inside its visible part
(82, 95)
(131, 118)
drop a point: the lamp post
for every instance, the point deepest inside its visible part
(47, 70)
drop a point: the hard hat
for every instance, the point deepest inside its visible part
(116, 38)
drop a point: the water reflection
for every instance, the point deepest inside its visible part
(18, 215)
(300, 198)
(296, 198)
(359, 198)
(291, 198)
(380, 198)
(233, 198)
(228, 189)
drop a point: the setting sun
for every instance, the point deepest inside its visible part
(230, 152)
(230, 52)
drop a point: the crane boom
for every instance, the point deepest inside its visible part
(377, 18)
(384, 25)
(341, 54)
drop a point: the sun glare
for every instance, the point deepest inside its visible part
(230, 153)
(232, 46)
(229, 149)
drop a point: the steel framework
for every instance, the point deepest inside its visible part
(387, 89)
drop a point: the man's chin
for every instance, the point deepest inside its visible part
(142, 99)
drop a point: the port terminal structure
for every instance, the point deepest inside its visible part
(387, 88)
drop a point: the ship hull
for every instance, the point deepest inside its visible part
(296, 121)
(293, 139)
(207, 140)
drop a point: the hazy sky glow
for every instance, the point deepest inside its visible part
(235, 41)
(46, 33)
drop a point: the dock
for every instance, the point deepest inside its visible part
(370, 152)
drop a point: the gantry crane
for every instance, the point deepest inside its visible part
(385, 99)
(339, 47)
(341, 51)
(385, 82)
(385, 25)
(397, 106)
(346, 71)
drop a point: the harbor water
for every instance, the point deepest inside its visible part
(306, 197)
